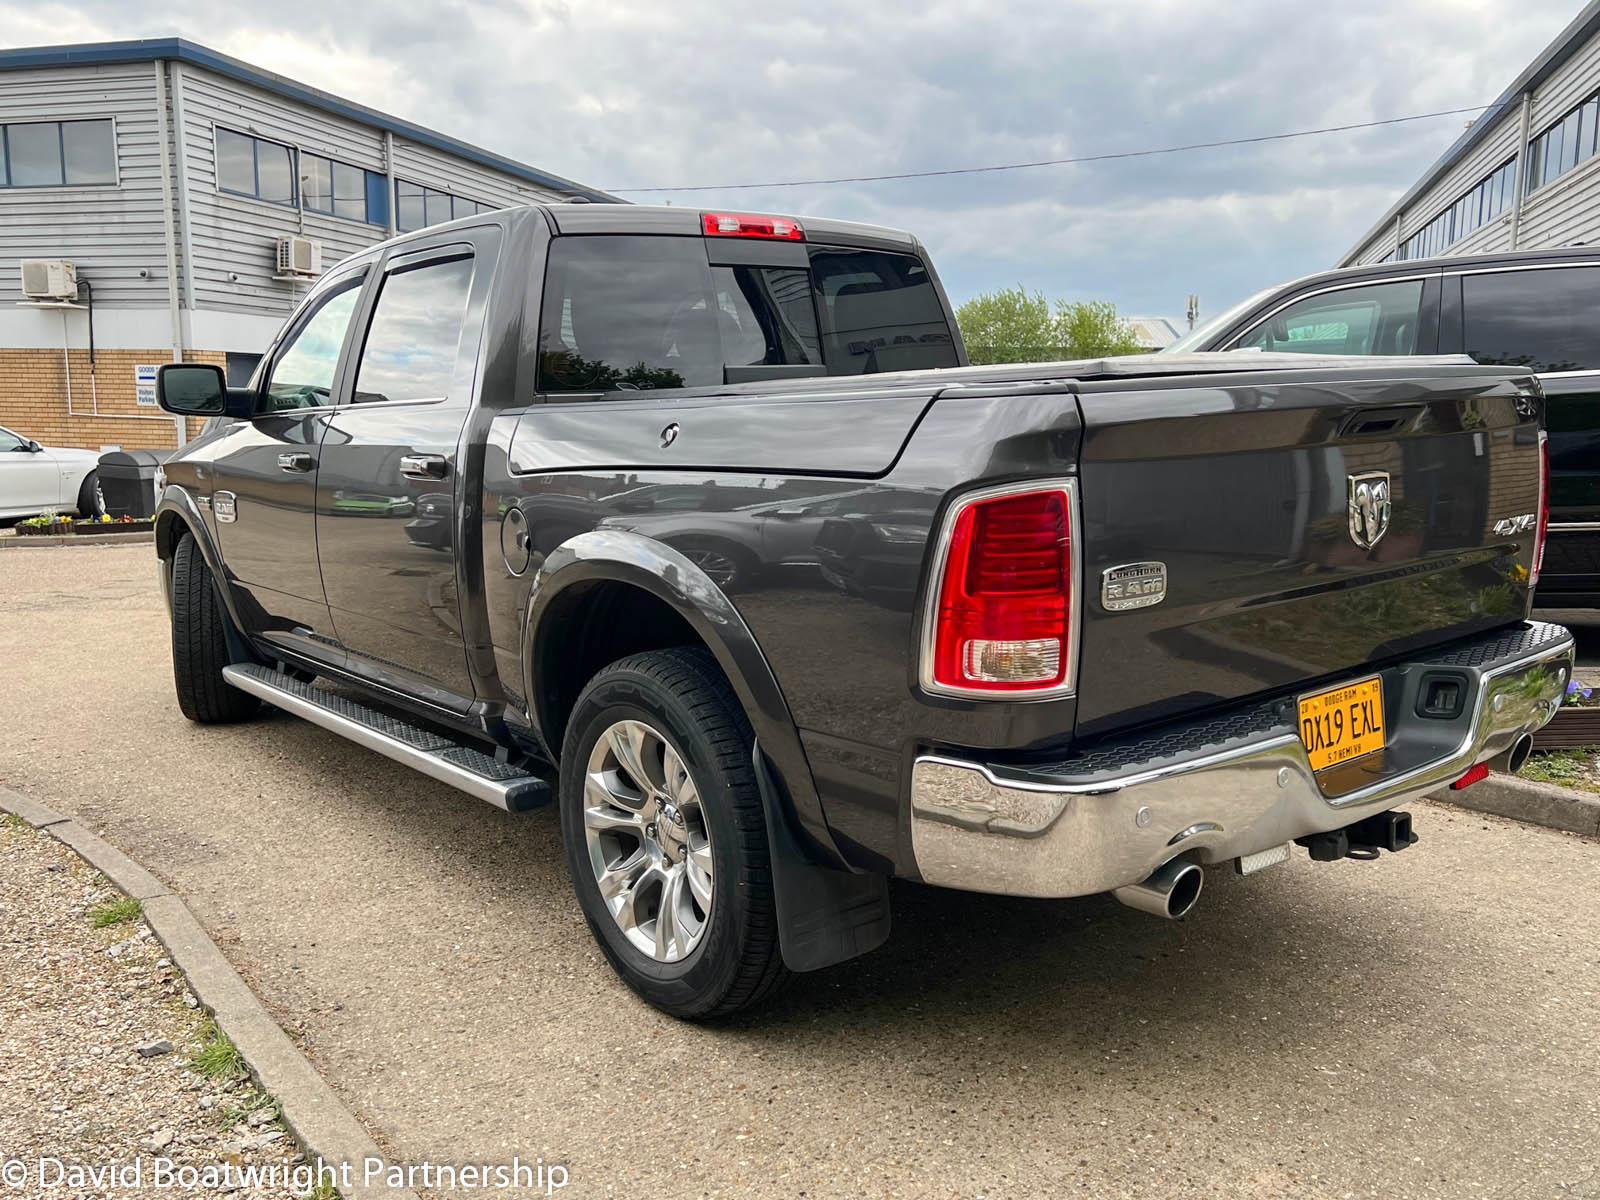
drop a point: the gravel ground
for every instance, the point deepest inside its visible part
(78, 1004)
(1421, 1026)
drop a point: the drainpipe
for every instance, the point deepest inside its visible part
(169, 232)
(388, 172)
(1522, 170)
(180, 150)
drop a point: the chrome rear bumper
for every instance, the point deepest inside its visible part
(1067, 832)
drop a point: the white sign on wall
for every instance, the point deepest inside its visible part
(144, 385)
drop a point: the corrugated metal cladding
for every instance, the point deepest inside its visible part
(1561, 212)
(115, 232)
(116, 228)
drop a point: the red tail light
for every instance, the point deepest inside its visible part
(750, 225)
(1002, 619)
(1543, 529)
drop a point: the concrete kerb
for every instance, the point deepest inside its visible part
(1526, 800)
(322, 1123)
(46, 540)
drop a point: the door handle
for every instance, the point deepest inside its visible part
(295, 462)
(424, 466)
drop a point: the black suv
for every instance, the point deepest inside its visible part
(1534, 309)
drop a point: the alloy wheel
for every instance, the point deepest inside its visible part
(648, 840)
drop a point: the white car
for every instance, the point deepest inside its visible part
(34, 479)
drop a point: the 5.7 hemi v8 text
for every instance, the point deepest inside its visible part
(701, 525)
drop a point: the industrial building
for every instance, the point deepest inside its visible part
(1524, 176)
(163, 202)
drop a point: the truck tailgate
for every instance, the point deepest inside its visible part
(1257, 496)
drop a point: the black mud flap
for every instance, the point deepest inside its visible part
(825, 915)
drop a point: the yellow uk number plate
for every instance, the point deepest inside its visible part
(1342, 723)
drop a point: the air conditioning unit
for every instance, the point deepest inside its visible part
(49, 279)
(299, 256)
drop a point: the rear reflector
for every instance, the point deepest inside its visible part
(1002, 621)
(1481, 771)
(751, 225)
(1543, 529)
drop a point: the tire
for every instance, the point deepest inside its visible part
(199, 647)
(710, 822)
(91, 500)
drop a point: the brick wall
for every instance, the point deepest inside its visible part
(33, 398)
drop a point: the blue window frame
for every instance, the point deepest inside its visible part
(342, 190)
(58, 154)
(255, 167)
(417, 206)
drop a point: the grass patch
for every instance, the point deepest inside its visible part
(12, 821)
(217, 1057)
(120, 911)
(240, 1113)
(1569, 768)
(324, 1191)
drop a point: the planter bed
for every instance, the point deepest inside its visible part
(83, 528)
(1570, 727)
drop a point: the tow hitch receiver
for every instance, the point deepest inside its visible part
(1384, 831)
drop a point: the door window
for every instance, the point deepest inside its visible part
(10, 441)
(410, 352)
(1543, 320)
(1381, 319)
(302, 375)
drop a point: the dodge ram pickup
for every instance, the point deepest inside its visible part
(701, 526)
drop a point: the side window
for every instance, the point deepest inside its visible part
(302, 374)
(1543, 320)
(880, 312)
(1381, 319)
(410, 351)
(9, 441)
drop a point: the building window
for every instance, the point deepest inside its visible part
(252, 166)
(416, 206)
(1492, 196)
(330, 186)
(1565, 144)
(57, 153)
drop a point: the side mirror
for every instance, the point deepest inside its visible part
(34, 447)
(200, 390)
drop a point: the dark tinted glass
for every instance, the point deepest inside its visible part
(765, 315)
(91, 155)
(236, 162)
(879, 313)
(35, 154)
(628, 313)
(1543, 320)
(410, 353)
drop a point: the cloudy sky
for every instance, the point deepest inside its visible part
(624, 94)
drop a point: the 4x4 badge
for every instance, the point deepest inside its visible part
(1369, 508)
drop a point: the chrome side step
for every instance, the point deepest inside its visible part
(435, 755)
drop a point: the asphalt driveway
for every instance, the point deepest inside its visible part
(1421, 1026)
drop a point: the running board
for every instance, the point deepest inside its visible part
(435, 755)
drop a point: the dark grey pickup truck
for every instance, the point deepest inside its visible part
(701, 525)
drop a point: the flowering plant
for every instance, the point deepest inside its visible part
(1578, 696)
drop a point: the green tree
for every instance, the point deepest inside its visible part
(1014, 325)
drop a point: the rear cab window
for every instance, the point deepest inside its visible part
(626, 313)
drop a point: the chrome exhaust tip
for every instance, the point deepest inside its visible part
(1510, 761)
(1170, 891)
